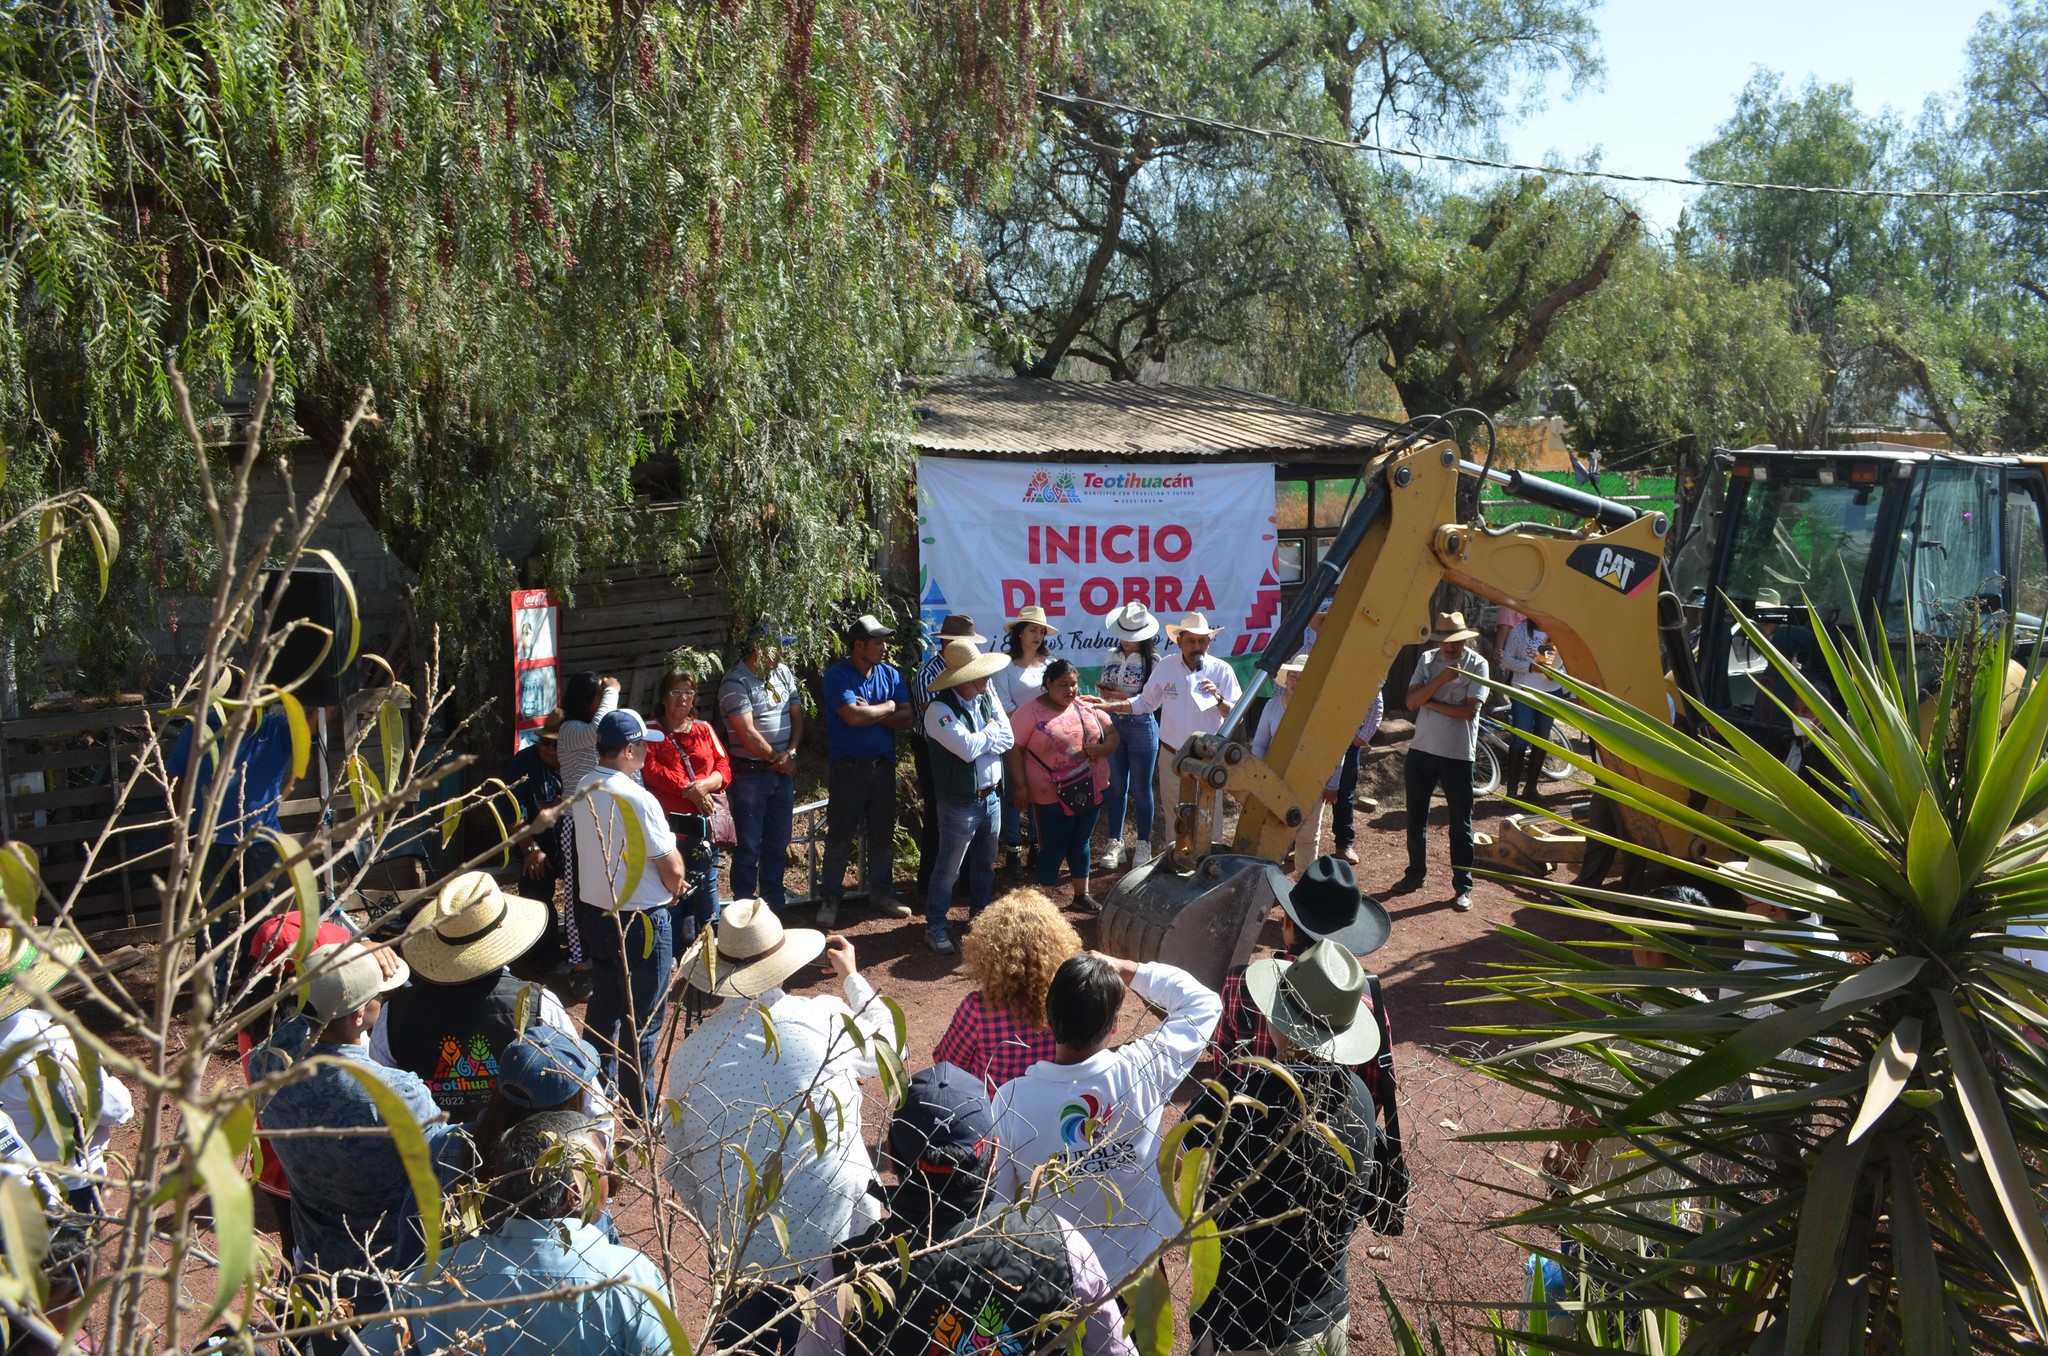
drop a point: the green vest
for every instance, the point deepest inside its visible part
(952, 775)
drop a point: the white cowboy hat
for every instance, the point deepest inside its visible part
(1767, 872)
(964, 663)
(1195, 624)
(749, 952)
(1317, 1002)
(477, 930)
(1131, 622)
(1451, 626)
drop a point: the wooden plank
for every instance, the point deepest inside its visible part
(77, 722)
(24, 803)
(59, 760)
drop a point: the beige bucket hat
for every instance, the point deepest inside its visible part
(749, 952)
(477, 929)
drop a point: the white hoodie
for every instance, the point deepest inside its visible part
(1100, 1120)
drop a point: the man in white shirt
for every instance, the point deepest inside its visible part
(1092, 1113)
(762, 1074)
(624, 918)
(1309, 835)
(1445, 699)
(1193, 695)
(966, 735)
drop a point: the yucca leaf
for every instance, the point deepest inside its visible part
(348, 596)
(1750, 1049)
(1890, 1067)
(1932, 865)
(1998, 793)
(1823, 1223)
(1984, 1113)
(1923, 1330)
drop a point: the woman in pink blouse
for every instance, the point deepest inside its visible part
(1061, 760)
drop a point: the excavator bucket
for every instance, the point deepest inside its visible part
(1204, 921)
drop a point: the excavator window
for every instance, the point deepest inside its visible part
(2025, 541)
(1950, 563)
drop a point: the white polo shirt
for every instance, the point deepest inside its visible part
(601, 840)
(1171, 692)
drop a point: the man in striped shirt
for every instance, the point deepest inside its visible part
(957, 626)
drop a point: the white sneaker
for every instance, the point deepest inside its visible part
(1463, 903)
(1141, 854)
(1112, 857)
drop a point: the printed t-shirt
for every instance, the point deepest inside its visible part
(1051, 741)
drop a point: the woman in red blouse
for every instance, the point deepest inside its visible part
(683, 771)
(1016, 945)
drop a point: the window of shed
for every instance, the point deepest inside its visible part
(1287, 557)
(1332, 497)
(1290, 505)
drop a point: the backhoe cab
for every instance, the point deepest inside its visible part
(1797, 540)
(1928, 543)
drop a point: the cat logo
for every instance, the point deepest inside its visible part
(1621, 568)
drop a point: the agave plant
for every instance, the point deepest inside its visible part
(1841, 1151)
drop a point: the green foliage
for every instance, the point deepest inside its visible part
(1839, 1151)
(1323, 275)
(1673, 356)
(559, 239)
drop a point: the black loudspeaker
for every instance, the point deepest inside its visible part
(312, 594)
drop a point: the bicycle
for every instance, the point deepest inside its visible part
(1490, 754)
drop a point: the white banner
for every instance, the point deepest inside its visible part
(1081, 541)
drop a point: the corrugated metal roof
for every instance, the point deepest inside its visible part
(1121, 418)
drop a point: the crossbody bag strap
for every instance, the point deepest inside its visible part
(1390, 1108)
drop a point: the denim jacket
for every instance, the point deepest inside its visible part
(352, 1204)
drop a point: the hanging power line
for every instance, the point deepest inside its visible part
(1481, 162)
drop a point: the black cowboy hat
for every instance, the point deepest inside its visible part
(1326, 903)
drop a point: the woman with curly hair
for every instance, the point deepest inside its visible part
(1015, 947)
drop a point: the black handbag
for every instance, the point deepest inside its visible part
(1386, 1213)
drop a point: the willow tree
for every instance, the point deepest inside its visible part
(557, 237)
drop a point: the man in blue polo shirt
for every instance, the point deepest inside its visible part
(865, 704)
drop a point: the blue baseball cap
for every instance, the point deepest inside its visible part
(622, 727)
(944, 1123)
(764, 631)
(546, 1067)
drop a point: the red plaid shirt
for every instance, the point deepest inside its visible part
(992, 1042)
(1243, 1029)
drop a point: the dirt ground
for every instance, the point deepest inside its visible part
(1445, 1262)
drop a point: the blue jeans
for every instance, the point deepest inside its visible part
(629, 980)
(763, 806)
(698, 908)
(1527, 720)
(1063, 836)
(1131, 769)
(967, 836)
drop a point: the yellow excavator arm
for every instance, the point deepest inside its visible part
(1595, 591)
(1595, 595)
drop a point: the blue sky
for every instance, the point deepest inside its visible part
(1674, 68)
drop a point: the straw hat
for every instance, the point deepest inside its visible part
(964, 664)
(1317, 1002)
(342, 979)
(27, 970)
(1195, 624)
(749, 952)
(478, 929)
(1764, 871)
(1450, 626)
(1296, 664)
(551, 728)
(1131, 622)
(1029, 616)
